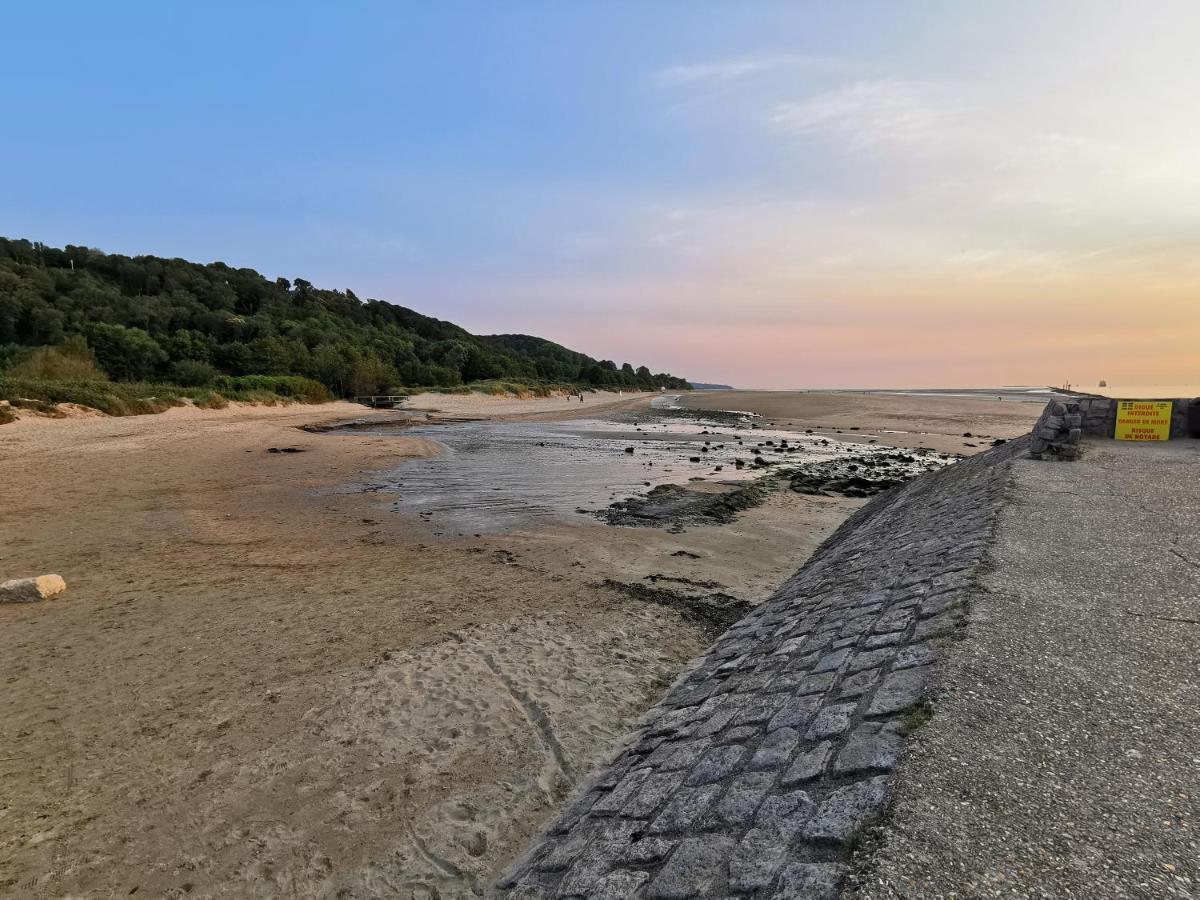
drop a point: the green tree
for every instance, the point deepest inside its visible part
(332, 368)
(235, 358)
(127, 354)
(242, 324)
(371, 375)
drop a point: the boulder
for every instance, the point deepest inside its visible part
(31, 590)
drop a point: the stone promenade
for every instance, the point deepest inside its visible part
(768, 760)
(1064, 756)
(985, 684)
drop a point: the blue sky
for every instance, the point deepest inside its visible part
(773, 194)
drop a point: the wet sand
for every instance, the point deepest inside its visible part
(507, 408)
(937, 421)
(256, 685)
(493, 476)
(260, 683)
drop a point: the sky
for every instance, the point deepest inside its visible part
(775, 195)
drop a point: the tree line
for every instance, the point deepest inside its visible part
(146, 318)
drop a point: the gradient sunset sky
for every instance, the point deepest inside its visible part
(765, 194)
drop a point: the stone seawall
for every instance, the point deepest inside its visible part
(1064, 423)
(758, 771)
(1099, 415)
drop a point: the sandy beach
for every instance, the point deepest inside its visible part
(938, 421)
(258, 684)
(508, 408)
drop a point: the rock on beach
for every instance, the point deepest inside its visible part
(31, 590)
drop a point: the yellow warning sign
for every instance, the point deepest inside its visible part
(1143, 420)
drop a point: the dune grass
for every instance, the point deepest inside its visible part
(497, 388)
(490, 388)
(120, 398)
(26, 388)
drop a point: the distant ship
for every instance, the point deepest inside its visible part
(1103, 383)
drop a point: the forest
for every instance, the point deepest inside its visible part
(170, 321)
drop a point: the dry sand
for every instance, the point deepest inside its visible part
(253, 688)
(257, 687)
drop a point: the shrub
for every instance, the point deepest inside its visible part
(209, 400)
(193, 373)
(265, 388)
(70, 362)
(11, 353)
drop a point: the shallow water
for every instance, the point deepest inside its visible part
(501, 476)
(1014, 394)
(1146, 391)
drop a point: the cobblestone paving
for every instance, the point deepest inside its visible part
(760, 768)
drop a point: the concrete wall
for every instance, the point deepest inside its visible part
(1100, 416)
(1064, 422)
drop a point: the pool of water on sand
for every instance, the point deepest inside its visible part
(502, 476)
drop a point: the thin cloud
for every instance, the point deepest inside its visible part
(734, 69)
(868, 113)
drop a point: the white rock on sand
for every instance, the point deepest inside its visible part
(31, 590)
